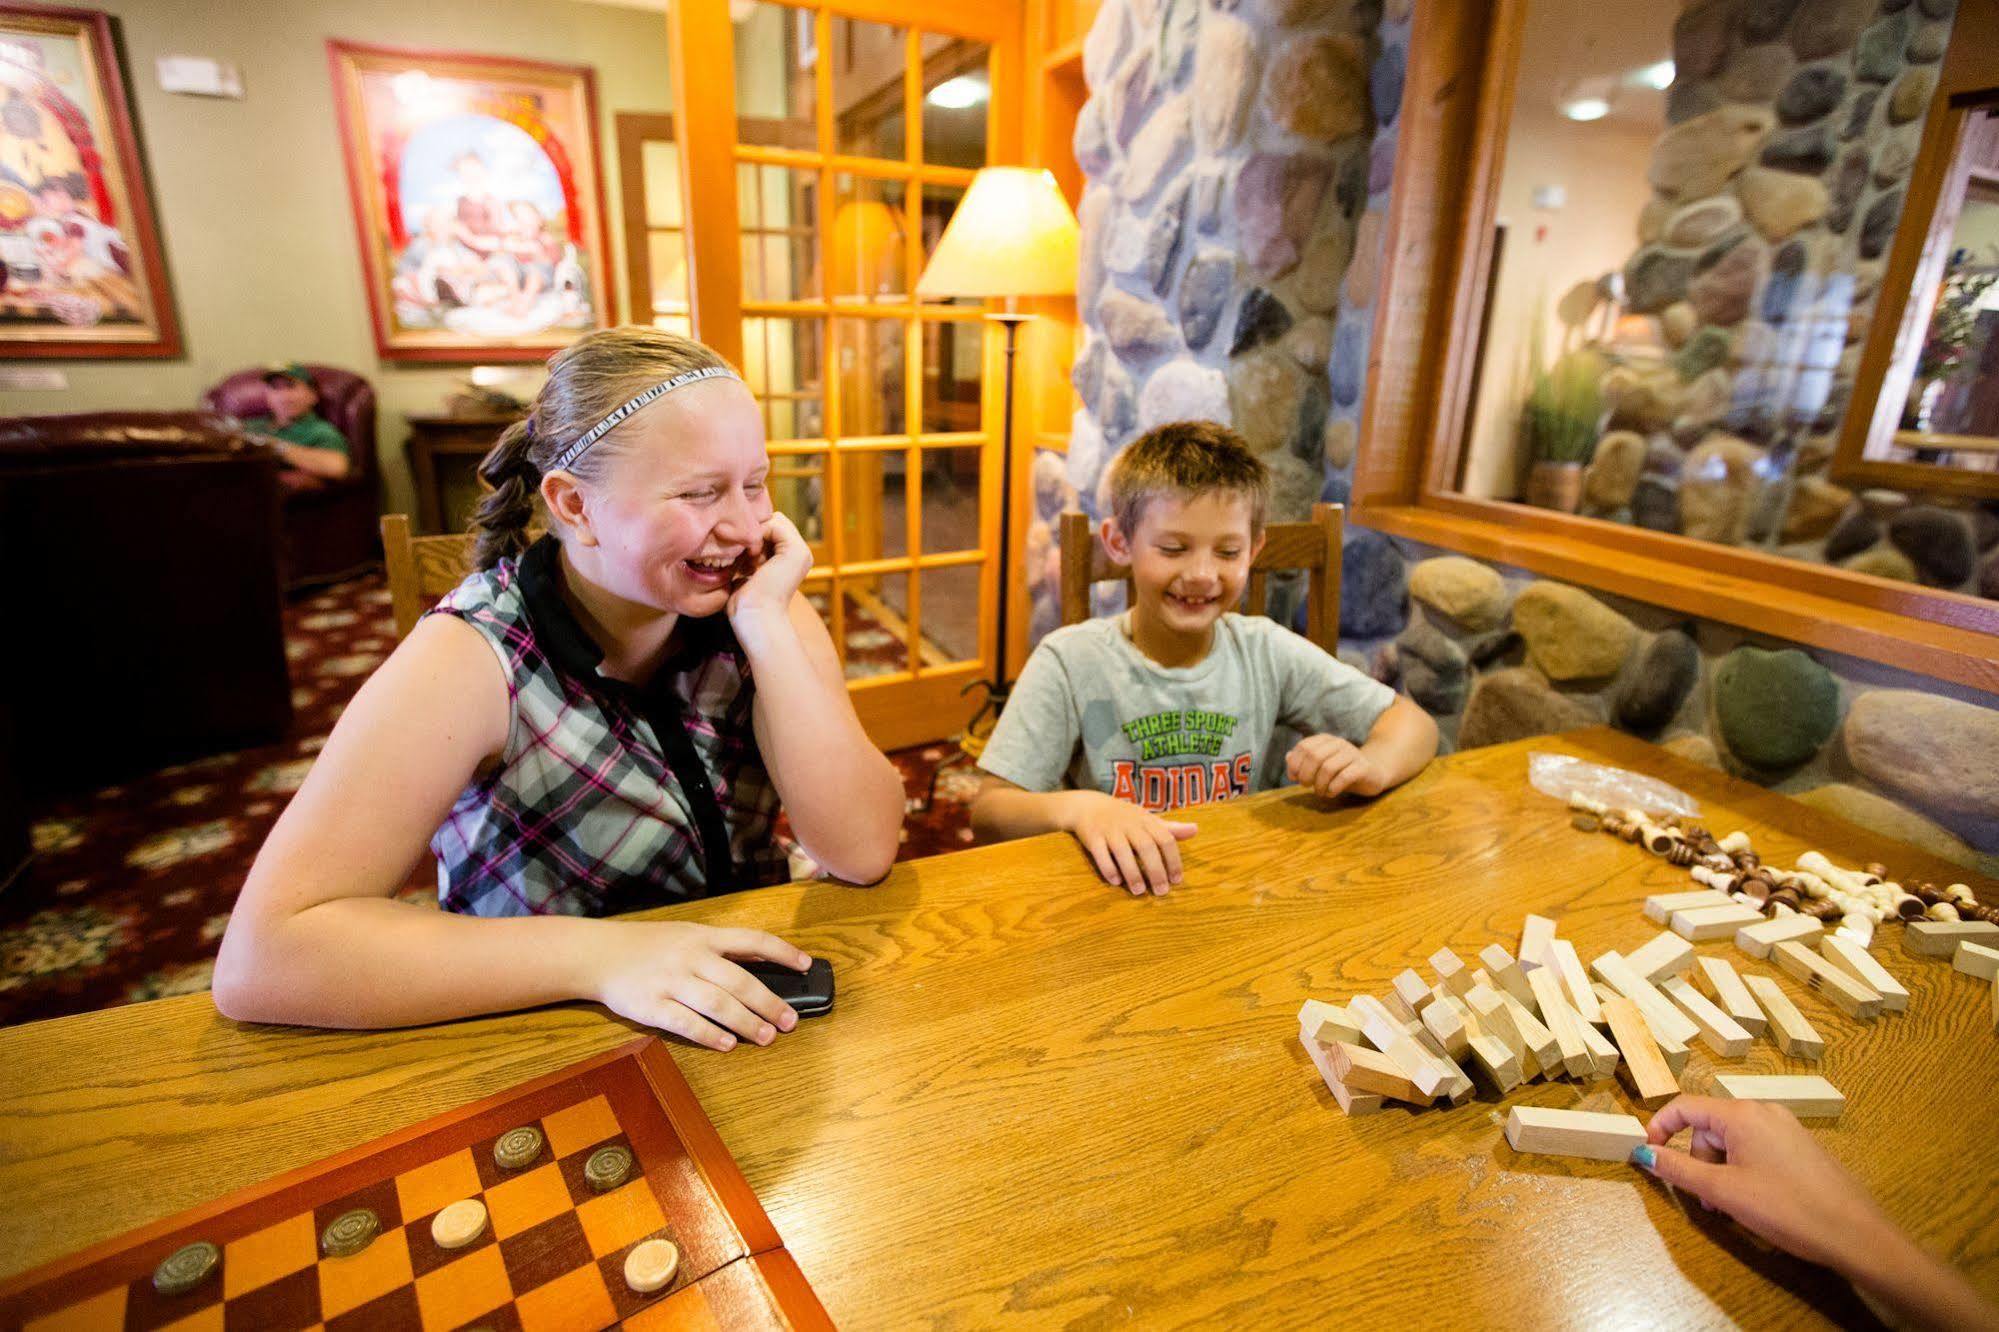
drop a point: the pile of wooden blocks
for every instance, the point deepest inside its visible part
(1512, 1019)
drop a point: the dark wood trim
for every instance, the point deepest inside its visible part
(1456, 98)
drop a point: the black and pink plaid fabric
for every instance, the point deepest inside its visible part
(584, 814)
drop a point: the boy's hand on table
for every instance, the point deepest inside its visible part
(1329, 765)
(1132, 848)
(679, 977)
(1757, 1164)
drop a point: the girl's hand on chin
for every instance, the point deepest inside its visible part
(776, 571)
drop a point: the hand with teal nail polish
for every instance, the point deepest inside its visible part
(1755, 1162)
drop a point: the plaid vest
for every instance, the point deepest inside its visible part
(608, 797)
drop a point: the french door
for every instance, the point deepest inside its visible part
(825, 146)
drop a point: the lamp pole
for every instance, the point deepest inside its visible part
(996, 687)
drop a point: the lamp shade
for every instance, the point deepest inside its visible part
(1013, 235)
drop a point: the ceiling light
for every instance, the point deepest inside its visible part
(1658, 76)
(959, 93)
(1586, 108)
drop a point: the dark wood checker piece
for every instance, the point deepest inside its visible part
(551, 1256)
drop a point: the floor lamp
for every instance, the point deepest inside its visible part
(1012, 236)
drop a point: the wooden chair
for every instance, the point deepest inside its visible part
(1312, 546)
(421, 569)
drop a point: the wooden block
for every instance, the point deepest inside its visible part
(1973, 959)
(1365, 1070)
(1719, 979)
(1604, 994)
(1451, 971)
(1585, 1133)
(1351, 1101)
(1659, 907)
(1407, 995)
(1541, 1041)
(1940, 938)
(1723, 1034)
(1858, 963)
(1480, 976)
(1668, 1023)
(1794, 1036)
(1562, 1021)
(1535, 936)
(1575, 981)
(1603, 1055)
(1995, 1003)
(1511, 977)
(1493, 1057)
(1652, 1082)
(1858, 1001)
(1806, 1095)
(1713, 922)
(1666, 955)
(1321, 1021)
(1758, 940)
(1496, 1018)
(1444, 1023)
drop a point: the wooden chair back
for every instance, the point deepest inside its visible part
(1311, 546)
(421, 569)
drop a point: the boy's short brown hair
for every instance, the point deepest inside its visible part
(1185, 460)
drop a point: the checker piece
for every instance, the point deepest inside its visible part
(517, 1147)
(185, 1268)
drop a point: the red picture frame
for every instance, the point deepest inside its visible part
(81, 270)
(477, 188)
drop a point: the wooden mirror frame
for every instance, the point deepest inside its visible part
(1910, 283)
(1456, 104)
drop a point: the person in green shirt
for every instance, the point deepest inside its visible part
(302, 437)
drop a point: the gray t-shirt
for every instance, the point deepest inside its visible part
(1091, 712)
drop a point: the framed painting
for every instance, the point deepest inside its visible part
(478, 201)
(80, 268)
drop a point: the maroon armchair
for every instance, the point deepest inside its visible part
(330, 526)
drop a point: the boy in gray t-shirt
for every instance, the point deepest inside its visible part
(1180, 700)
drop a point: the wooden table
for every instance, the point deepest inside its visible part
(1042, 1101)
(444, 502)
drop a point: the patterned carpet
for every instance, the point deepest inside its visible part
(131, 887)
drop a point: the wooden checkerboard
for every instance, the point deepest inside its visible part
(551, 1256)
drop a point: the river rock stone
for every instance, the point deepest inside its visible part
(1103, 47)
(1688, 98)
(1310, 342)
(1655, 505)
(1613, 469)
(1655, 278)
(1984, 528)
(1877, 57)
(1808, 150)
(1148, 252)
(1342, 440)
(1435, 671)
(1706, 351)
(1570, 634)
(1714, 488)
(1700, 37)
(1091, 141)
(1131, 98)
(1204, 294)
(1659, 683)
(1294, 488)
(1087, 450)
(1265, 390)
(1720, 295)
(1470, 593)
(1878, 814)
(1940, 752)
(1225, 74)
(1374, 586)
(1851, 535)
(1882, 562)
(1893, 160)
(1936, 9)
(1157, 150)
(1828, 27)
(1877, 228)
(1347, 370)
(1260, 318)
(1276, 196)
(1386, 82)
(1848, 183)
(1775, 709)
(1322, 265)
(1700, 222)
(1364, 270)
(1138, 330)
(1694, 748)
(1697, 158)
(1316, 86)
(1937, 541)
(1677, 323)
(1755, 73)
(1860, 113)
(1812, 92)
(1911, 96)
(1988, 577)
(1183, 390)
(1780, 202)
(1816, 505)
(1652, 219)
(1929, 43)
(1517, 703)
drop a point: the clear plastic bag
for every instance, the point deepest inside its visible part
(1560, 775)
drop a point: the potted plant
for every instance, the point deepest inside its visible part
(1559, 424)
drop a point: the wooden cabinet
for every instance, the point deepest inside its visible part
(444, 454)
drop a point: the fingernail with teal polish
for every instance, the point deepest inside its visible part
(1644, 1157)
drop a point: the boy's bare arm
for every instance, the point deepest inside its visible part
(1002, 811)
(1403, 740)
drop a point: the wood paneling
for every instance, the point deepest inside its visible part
(1042, 1101)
